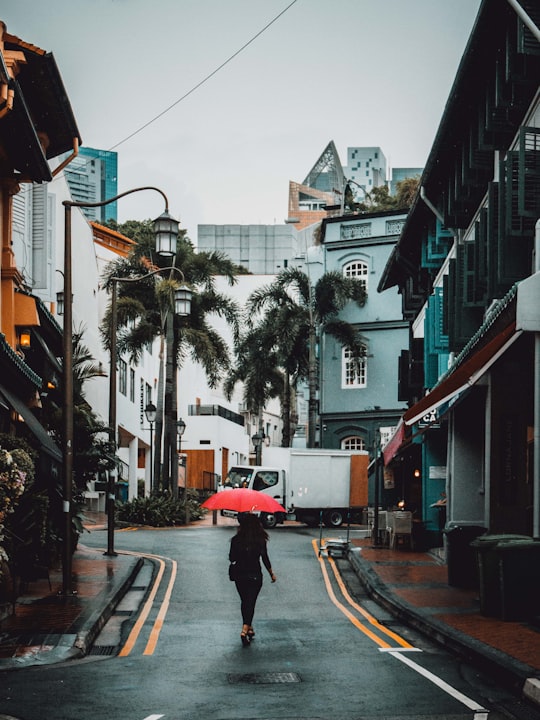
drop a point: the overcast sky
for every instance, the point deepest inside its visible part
(358, 72)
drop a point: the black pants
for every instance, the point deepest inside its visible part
(248, 588)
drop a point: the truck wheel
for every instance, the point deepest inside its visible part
(333, 518)
(269, 520)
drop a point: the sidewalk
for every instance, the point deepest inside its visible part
(412, 585)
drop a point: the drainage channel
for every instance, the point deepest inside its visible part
(110, 638)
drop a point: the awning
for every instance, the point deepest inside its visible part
(35, 427)
(393, 445)
(464, 376)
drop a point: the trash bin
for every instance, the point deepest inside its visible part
(121, 491)
(460, 556)
(489, 561)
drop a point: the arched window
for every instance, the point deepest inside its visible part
(359, 270)
(353, 443)
(354, 369)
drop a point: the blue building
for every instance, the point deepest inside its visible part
(92, 177)
(358, 402)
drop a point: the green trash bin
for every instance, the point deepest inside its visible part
(460, 556)
(490, 570)
(121, 491)
(520, 579)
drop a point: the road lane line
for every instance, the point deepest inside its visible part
(135, 632)
(436, 680)
(158, 625)
(401, 641)
(354, 620)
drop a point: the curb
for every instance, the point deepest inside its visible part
(92, 626)
(511, 673)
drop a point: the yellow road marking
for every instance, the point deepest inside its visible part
(352, 618)
(136, 630)
(154, 635)
(401, 641)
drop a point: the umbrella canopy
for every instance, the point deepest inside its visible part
(243, 500)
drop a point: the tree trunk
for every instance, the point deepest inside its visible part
(312, 385)
(286, 414)
(168, 414)
(158, 434)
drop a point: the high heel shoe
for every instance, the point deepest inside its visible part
(251, 633)
(244, 636)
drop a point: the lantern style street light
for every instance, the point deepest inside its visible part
(168, 244)
(257, 440)
(182, 308)
(150, 411)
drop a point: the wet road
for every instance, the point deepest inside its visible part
(322, 650)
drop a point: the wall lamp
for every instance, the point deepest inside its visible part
(168, 244)
(24, 339)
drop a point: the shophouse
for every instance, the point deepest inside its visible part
(467, 268)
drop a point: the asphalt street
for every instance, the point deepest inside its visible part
(322, 649)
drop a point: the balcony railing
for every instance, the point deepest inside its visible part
(216, 410)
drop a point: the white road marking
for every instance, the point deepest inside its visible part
(153, 717)
(480, 712)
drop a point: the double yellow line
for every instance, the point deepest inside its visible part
(158, 623)
(372, 628)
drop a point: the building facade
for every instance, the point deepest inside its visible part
(466, 266)
(93, 177)
(359, 402)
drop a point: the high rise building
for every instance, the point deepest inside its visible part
(366, 169)
(92, 177)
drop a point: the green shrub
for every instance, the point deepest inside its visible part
(159, 510)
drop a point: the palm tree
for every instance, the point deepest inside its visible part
(144, 313)
(296, 313)
(257, 366)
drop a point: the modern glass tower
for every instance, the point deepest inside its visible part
(92, 177)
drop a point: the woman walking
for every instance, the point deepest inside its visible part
(248, 548)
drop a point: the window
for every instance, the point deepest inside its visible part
(358, 270)
(132, 384)
(353, 370)
(122, 377)
(353, 443)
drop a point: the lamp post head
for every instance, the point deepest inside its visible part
(257, 439)
(182, 301)
(166, 232)
(180, 427)
(150, 411)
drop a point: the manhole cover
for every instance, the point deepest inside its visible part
(265, 678)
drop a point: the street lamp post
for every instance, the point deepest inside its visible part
(182, 307)
(180, 430)
(164, 227)
(150, 412)
(257, 440)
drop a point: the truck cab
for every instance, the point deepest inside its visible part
(264, 479)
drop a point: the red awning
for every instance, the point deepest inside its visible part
(392, 446)
(464, 376)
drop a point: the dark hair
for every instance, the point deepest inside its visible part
(250, 529)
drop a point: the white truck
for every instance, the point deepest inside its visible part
(310, 484)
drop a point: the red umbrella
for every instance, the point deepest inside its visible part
(243, 500)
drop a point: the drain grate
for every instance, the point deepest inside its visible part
(103, 650)
(268, 678)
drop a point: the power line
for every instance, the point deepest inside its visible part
(204, 80)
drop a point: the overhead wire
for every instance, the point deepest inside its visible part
(205, 79)
(201, 82)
